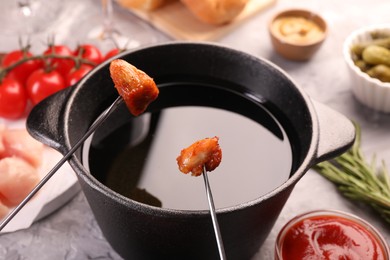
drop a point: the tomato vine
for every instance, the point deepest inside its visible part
(29, 78)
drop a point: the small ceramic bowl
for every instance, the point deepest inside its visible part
(297, 34)
(332, 233)
(370, 91)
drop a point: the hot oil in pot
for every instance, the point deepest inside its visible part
(137, 157)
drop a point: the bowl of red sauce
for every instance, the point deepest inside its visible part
(329, 234)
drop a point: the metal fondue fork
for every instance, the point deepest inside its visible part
(214, 219)
(93, 127)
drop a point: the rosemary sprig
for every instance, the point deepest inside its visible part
(359, 180)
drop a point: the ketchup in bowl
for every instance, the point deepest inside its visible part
(329, 235)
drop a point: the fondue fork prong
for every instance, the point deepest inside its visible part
(214, 219)
(56, 167)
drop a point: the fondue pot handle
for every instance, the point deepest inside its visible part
(46, 120)
(336, 132)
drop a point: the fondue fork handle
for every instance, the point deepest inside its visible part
(214, 219)
(93, 127)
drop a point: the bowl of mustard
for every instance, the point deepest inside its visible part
(297, 34)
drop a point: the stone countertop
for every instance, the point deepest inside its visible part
(72, 232)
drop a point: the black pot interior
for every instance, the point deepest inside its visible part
(199, 75)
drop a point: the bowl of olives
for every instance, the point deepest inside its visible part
(367, 54)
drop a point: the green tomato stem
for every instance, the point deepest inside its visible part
(45, 57)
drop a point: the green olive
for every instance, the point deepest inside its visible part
(363, 66)
(380, 34)
(374, 54)
(381, 72)
(358, 48)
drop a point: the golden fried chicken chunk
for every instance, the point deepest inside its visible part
(136, 88)
(205, 152)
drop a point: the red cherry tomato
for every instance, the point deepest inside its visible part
(89, 52)
(61, 65)
(13, 99)
(42, 84)
(111, 53)
(75, 75)
(22, 71)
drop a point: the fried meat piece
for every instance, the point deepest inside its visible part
(205, 152)
(136, 88)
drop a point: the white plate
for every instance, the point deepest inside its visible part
(53, 195)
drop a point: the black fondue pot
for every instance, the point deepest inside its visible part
(193, 74)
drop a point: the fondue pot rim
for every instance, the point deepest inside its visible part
(310, 156)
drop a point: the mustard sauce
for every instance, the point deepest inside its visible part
(297, 30)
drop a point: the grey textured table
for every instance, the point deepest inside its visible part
(72, 232)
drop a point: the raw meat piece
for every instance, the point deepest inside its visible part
(19, 143)
(3, 210)
(17, 179)
(2, 148)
